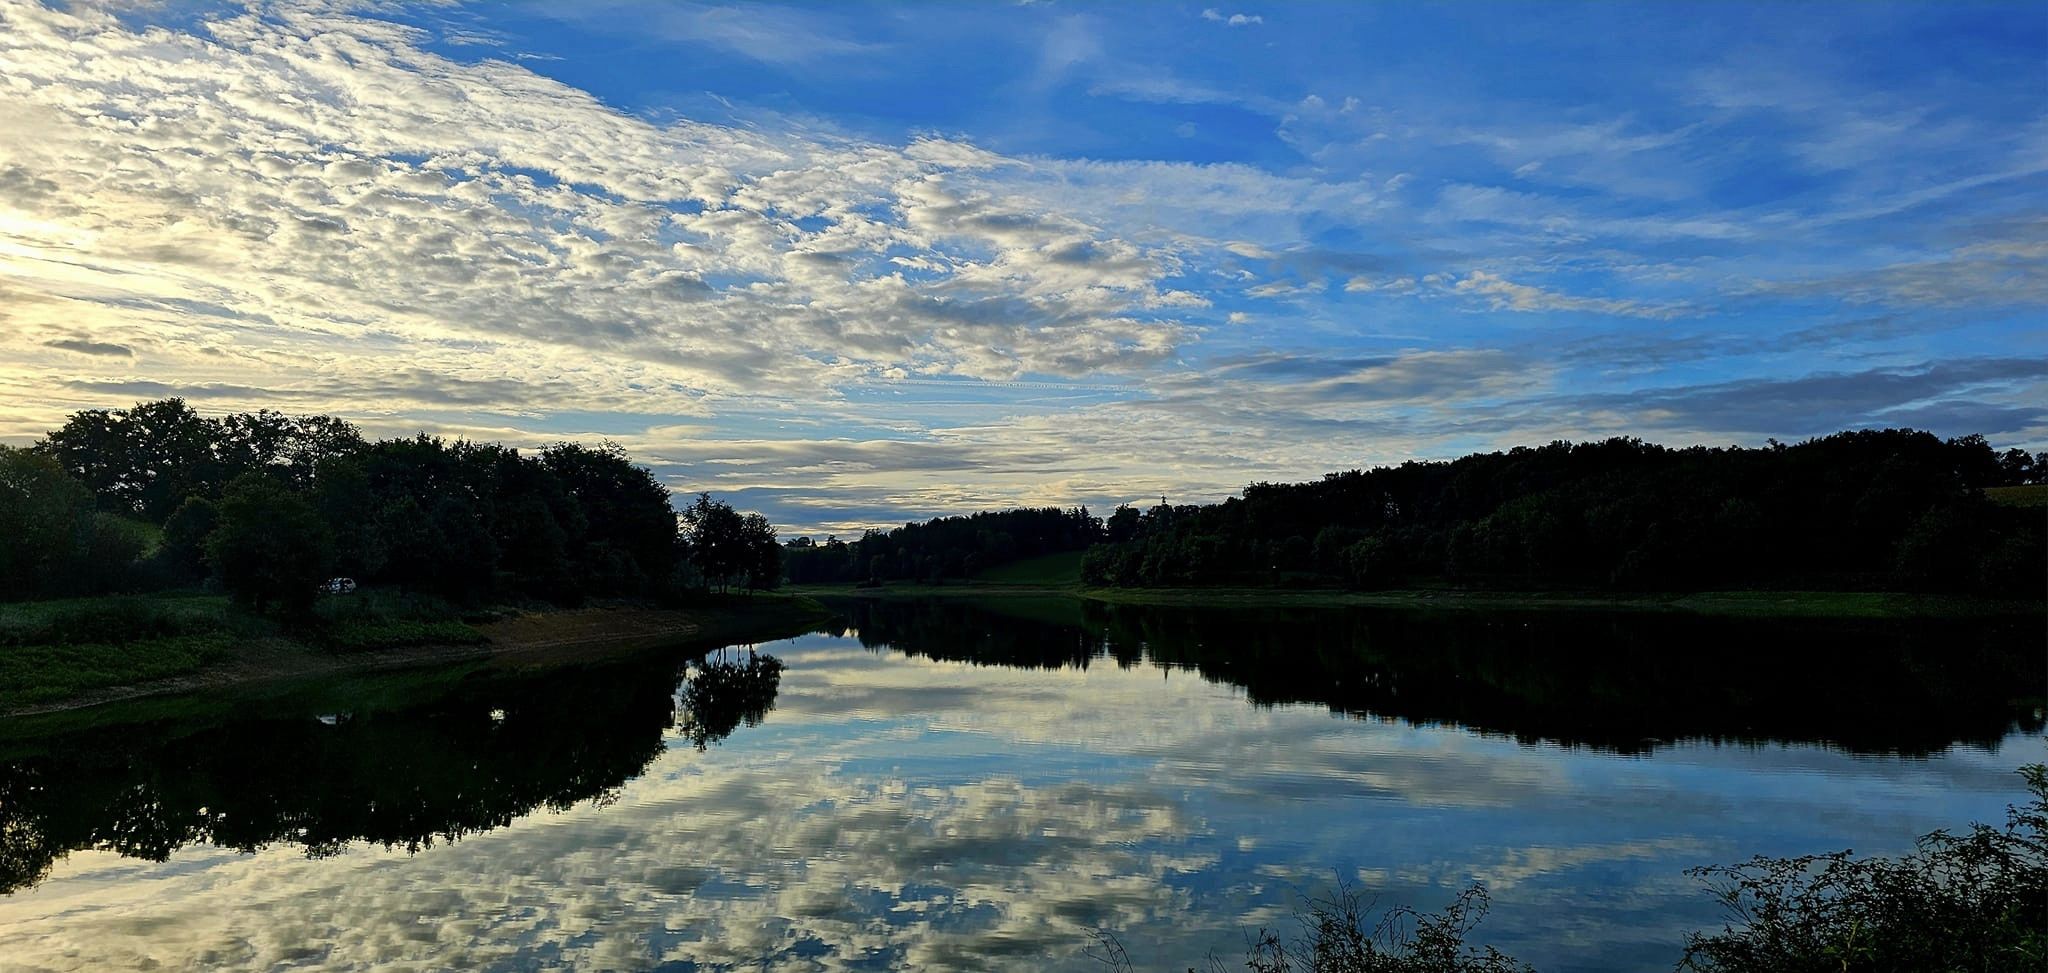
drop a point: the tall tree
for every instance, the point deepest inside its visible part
(269, 546)
(717, 541)
(45, 515)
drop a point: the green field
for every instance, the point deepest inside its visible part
(50, 650)
(53, 650)
(1048, 571)
(2032, 495)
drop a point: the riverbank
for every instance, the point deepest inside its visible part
(1727, 604)
(100, 651)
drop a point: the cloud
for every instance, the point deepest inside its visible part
(1506, 295)
(404, 205)
(307, 204)
(774, 35)
(1936, 393)
(104, 348)
(907, 813)
(1232, 20)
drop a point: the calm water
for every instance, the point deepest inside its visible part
(982, 786)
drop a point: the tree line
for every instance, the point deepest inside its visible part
(1886, 509)
(942, 548)
(267, 506)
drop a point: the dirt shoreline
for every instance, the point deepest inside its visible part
(530, 638)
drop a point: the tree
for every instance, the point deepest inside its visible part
(45, 515)
(623, 505)
(269, 546)
(718, 541)
(763, 556)
(293, 446)
(145, 460)
(184, 544)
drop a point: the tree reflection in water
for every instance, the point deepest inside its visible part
(718, 695)
(1615, 681)
(473, 758)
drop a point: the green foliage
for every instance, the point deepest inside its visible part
(398, 633)
(184, 536)
(112, 620)
(270, 546)
(1339, 935)
(1050, 571)
(727, 548)
(2033, 495)
(147, 459)
(387, 619)
(51, 650)
(44, 514)
(1974, 901)
(43, 673)
(944, 547)
(465, 521)
(1872, 509)
(1347, 934)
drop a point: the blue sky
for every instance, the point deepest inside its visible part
(853, 263)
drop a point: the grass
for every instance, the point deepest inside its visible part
(383, 619)
(2033, 496)
(31, 674)
(1047, 571)
(51, 651)
(113, 618)
(720, 621)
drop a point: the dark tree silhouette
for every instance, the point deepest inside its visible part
(269, 547)
(1872, 509)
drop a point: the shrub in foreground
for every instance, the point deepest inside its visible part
(1971, 901)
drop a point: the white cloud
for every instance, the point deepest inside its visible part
(368, 203)
(1232, 20)
(1501, 294)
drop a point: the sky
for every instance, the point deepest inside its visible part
(860, 263)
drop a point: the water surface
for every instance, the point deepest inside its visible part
(984, 785)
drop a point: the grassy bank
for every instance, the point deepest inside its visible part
(1742, 604)
(83, 651)
(1059, 575)
(53, 650)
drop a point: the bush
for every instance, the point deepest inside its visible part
(1976, 901)
(1338, 936)
(110, 621)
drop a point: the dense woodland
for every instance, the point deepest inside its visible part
(1867, 510)
(1879, 509)
(267, 506)
(942, 548)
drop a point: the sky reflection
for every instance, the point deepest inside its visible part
(894, 811)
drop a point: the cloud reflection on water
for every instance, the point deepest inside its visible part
(903, 812)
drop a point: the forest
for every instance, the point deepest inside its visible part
(1890, 509)
(1868, 510)
(268, 507)
(942, 548)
